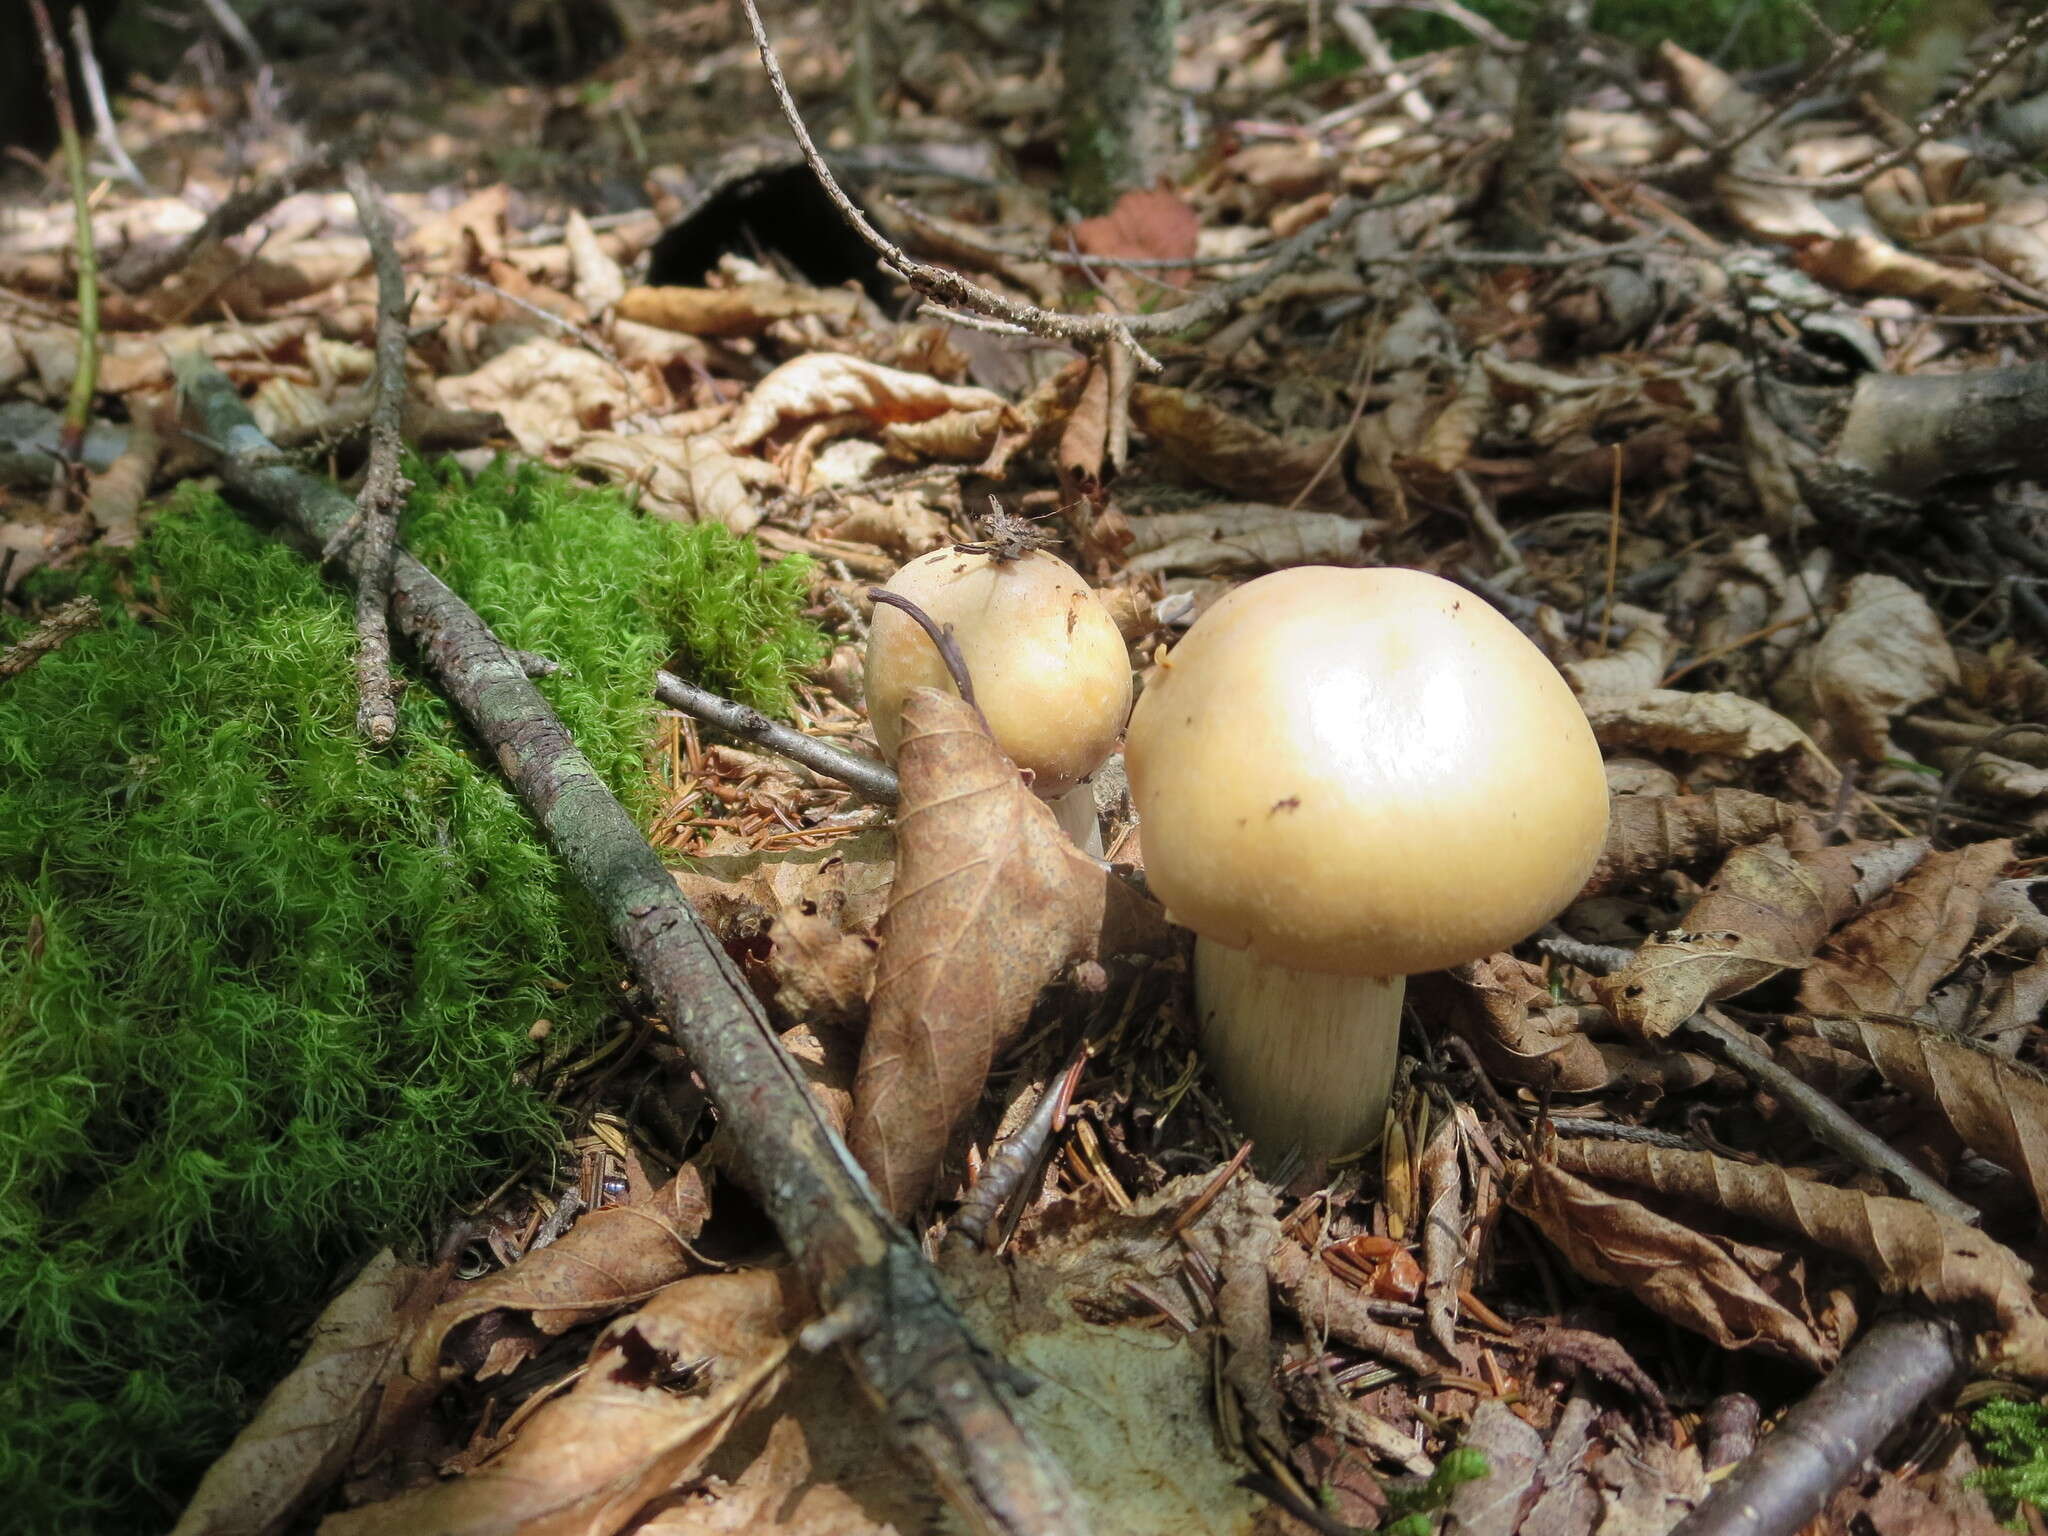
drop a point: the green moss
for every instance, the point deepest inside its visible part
(265, 996)
(2012, 1436)
(1412, 1508)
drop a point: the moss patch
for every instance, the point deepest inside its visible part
(264, 996)
(2012, 1440)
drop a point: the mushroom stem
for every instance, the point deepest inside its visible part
(1076, 813)
(1303, 1060)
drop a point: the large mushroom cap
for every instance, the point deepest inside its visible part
(1364, 773)
(1049, 668)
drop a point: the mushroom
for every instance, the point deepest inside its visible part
(1049, 668)
(1344, 778)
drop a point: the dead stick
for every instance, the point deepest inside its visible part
(1819, 1444)
(945, 1397)
(374, 524)
(74, 618)
(863, 775)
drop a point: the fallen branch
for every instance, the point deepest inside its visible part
(1819, 1444)
(863, 775)
(945, 1398)
(74, 618)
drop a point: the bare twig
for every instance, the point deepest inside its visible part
(956, 664)
(374, 527)
(1933, 123)
(237, 31)
(1894, 1368)
(945, 1398)
(85, 379)
(74, 618)
(863, 775)
(1826, 1119)
(144, 269)
(96, 97)
(950, 293)
(1841, 49)
(1012, 1169)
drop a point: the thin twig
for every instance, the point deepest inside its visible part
(375, 523)
(74, 618)
(85, 379)
(145, 269)
(1014, 1168)
(863, 775)
(1924, 130)
(237, 30)
(944, 1397)
(1840, 51)
(956, 664)
(952, 292)
(96, 97)
(1894, 1368)
(1828, 1121)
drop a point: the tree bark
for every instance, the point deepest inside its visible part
(1117, 62)
(1520, 211)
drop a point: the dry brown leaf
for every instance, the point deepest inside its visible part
(1502, 1007)
(1766, 911)
(905, 525)
(2011, 248)
(740, 892)
(1145, 223)
(1635, 665)
(991, 900)
(1724, 724)
(834, 384)
(609, 1260)
(963, 437)
(695, 479)
(1443, 1232)
(1084, 440)
(745, 309)
(1871, 264)
(119, 491)
(1882, 654)
(549, 394)
(1905, 1247)
(1674, 1270)
(1647, 834)
(821, 973)
(1448, 442)
(588, 1463)
(1245, 460)
(1996, 1106)
(595, 278)
(1889, 958)
(1247, 537)
(302, 1434)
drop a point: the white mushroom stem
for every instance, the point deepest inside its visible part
(1078, 819)
(1304, 1060)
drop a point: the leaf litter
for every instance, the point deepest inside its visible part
(1821, 728)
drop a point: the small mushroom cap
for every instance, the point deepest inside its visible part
(1365, 773)
(1050, 671)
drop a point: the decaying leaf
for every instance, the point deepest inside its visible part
(1650, 833)
(1882, 654)
(663, 1387)
(1443, 1232)
(991, 900)
(695, 479)
(305, 1429)
(1723, 724)
(744, 309)
(1906, 1248)
(1889, 958)
(741, 892)
(610, 1259)
(548, 393)
(1232, 454)
(1502, 1006)
(1145, 222)
(1997, 1106)
(833, 383)
(1247, 537)
(1766, 911)
(1673, 1269)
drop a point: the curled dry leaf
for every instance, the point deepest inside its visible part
(1994, 1105)
(1865, 263)
(610, 1259)
(745, 309)
(1443, 1232)
(1723, 724)
(834, 384)
(1236, 456)
(1329, 1308)
(548, 393)
(991, 900)
(305, 1429)
(1247, 537)
(662, 1389)
(1502, 1006)
(1732, 1295)
(1766, 911)
(1906, 1248)
(1647, 834)
(1635, 665)
(1889, 958)
(694, 479)
(1882, 654)
(963, 437)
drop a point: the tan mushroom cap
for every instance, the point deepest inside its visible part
(1363, 773)
(1049, 668)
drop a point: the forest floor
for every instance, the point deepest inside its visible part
(1770, 1090)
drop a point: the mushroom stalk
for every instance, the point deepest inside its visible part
(1303, 1059)
(1075, 811)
